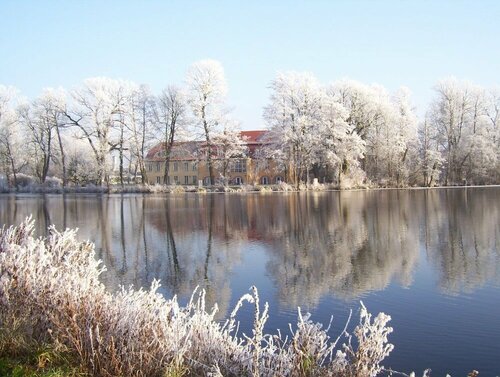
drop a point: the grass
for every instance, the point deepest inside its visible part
(39, 361)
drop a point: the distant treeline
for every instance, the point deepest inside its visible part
(348, 133)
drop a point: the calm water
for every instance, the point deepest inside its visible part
(429, 258)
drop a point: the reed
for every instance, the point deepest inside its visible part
(50, 293)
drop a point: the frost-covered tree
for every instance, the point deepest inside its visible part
(466, 118)
(481, 141)
(98, 111)
(12, 156)
(81, 165)
(365, 116)
(387, 125)
(230, 146)
(430, 158)
(141, 124)
(293, 117)
(341, 147)
(42, 120)
(402, 150)
(206, 92)
(492, 126)
(449, 114)
(171, 120)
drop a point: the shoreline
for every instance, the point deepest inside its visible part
(154, 190)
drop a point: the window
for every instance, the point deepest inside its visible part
(279, 179)
(239, 166)
(238, 181)
(195, 179)
(150, 167)
(195, 166)
(186, 180)
(176, 180)
(264, 181)
(186, 166)
(206, 181)
(158, 165)
(176, 166)
(158, 180)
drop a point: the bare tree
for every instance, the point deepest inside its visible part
(141, 127)
(171, 119)
(206, 90)
(231, 149)
(42, 119)
(12, 158)
(97, 111)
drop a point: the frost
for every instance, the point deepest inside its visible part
(52, 286)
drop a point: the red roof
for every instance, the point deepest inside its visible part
(253, 136)
(181, 150)
(187, 150)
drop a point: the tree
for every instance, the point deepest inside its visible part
(481, 138)
(171, 119)
(229, 146)
(12, 158)
(430, 159)
(403, 146)
(42, 119)
(493, 131)
(341, 147)
(142, 124)
(449, 113)
(81, 165)
(206, 91)
(385, 123)
(97, 111)
(293, 117)
(366, 107)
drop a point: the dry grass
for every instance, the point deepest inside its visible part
(50, 292)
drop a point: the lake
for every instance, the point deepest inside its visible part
(429, 258)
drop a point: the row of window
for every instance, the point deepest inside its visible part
(188, 180)
(193, 180)
(238, 166)
(265, 180)
(174, 166)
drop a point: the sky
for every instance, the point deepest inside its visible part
(392, 43)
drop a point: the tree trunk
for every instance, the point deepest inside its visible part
(63, 156)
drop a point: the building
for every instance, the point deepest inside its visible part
(188, 165)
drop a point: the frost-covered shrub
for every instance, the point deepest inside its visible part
(264, 189)
(25, 180)
(283, 186)
(50, 288)
(53, 182)
(177, 189)
(355, 179)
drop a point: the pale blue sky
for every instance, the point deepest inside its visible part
(393, 43)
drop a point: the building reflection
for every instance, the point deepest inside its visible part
(344, 244)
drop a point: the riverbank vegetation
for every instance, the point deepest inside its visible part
(347, 134)
(51, 297)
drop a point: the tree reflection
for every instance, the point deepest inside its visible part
(346, 247)
(462, 237)
(344, 243)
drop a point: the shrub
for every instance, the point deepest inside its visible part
(50, 290)
(24, 180)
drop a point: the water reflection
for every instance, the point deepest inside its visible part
(342, 244)
(462, 237)
(346, 247)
